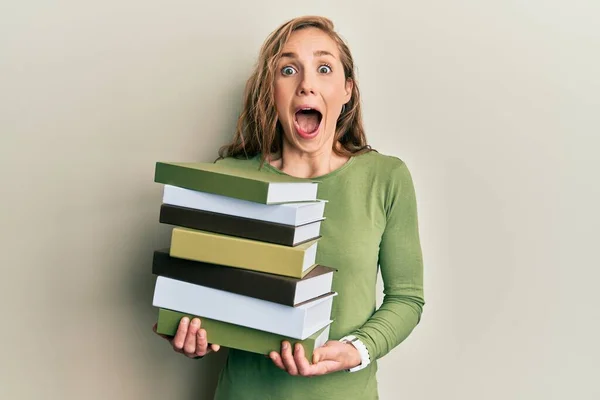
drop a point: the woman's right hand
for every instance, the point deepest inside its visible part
(190, 339)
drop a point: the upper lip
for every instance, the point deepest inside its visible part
(307, 106)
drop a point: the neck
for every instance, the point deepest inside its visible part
(308, 165)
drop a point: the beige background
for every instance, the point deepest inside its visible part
(493, 105)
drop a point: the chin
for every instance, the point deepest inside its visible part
(308, 145)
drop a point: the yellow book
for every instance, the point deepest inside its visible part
(232, 251)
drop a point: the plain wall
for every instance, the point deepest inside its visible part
(492, 104)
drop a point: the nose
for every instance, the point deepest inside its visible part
(307, 85)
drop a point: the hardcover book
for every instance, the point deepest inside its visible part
(294, 214)
(247, 184)
(237, 252)
(275, 288)
(270, 232)
(297, 322)
(239, 337)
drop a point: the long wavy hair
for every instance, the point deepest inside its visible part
(258, 129)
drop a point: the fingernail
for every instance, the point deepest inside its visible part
(195, 322)
(201, 334)
(185, 320)
(285, 345)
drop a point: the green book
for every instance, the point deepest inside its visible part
(239, 337)
(246, 184)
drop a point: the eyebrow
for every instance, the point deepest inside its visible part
(318, 53)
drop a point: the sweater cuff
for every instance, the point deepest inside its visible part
(366, 340)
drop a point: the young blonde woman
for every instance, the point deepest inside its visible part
(302, 117)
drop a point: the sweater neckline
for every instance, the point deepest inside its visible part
(323, 177)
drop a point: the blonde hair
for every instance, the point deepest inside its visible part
(258, 129)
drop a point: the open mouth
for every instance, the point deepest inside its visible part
(307, 121)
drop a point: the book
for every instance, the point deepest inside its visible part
(294, 214)
(239, 337)
(252, 185)
(296, 322)
(270, 232)
(260, 285)
(237, 252)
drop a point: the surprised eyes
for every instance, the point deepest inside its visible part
(288, 71)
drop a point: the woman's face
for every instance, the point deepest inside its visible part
(310, 90)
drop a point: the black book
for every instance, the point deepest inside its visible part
(270, 287)
(287, 235)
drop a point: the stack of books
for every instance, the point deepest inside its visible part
(242, 257)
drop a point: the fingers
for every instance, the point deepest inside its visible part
(288, 358)
(277, 360)
(326, 359)
(190, 339)
(189, 346)
(180, 335)
(294, 363)
(304, 368)
(201, 342)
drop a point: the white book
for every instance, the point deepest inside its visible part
(294, 214)
(297, 322)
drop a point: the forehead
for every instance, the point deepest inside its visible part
(306, 41)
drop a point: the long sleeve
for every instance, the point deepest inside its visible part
(370, 225)
(401, 264)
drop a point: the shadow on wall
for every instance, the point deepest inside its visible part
(139, 287)
(202, 374)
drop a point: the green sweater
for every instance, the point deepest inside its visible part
(371, 222)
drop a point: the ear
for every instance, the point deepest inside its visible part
(348, 90)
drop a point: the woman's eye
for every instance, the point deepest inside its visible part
(288, 71)
(324, 69)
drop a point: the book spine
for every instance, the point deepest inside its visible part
(259, 285)
(210, 182)
(227, 224)
(240, 253)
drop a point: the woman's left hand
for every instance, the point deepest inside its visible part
(331, 357)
